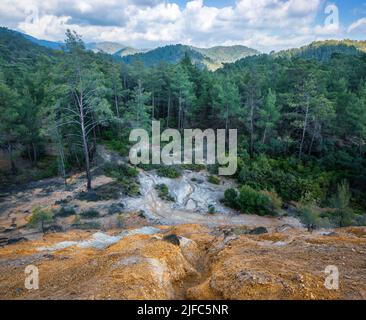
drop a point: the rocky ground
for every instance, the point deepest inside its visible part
(187, 262)
(144, 247)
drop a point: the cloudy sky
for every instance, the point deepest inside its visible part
(262, 24)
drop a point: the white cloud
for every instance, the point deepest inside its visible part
(359, 25)
(262, 24)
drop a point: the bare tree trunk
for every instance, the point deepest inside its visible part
(169, 103)
(12, 163)
(227, 123)
(251, 127)
(35, 157)
(304, 130)
(85, 143)
(180, 109)
(264, 135)
(312, 140)
(116, 102)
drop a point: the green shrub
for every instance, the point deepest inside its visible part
(343, 216)
(131, 189)
(253, 202)
(288, 177)
(361, 220)
(193, 167)
(89, 214)
(213, 168)
(163, 192)
(47, 168)
(276, 201)
(148, 167)
(127, 178)
(211, 209)
(120, 146)
(310, 217)
(342, 198)
(87, 225)
(169, 172)
(250, 201)
(120, 221)
(40, 218)
(64, 212)
(214, 180)
(109, 191)
(231, 197)
(120, 172)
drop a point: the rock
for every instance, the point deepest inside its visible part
(191, 205)
(260, 230)
(53, 229)
(14, 240)
(49, 256)
(63, 201)
(142, 214)
(230, 238)
(3, 241)
(190, 250)
(172, 238)
(298, 278)
(7, 230)
(228, 232)
(283, 228)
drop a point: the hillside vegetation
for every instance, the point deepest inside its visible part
(323, 50)
(301, 122)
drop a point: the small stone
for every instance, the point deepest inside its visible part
(260, 230)
(173, 239)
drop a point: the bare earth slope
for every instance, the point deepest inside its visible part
(217, 263)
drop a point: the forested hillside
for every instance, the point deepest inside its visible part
(323, 50)
(211, 58)
(301, 122)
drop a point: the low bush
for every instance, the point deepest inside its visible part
(213, 180)
(193, 167)
(199, 181)
(290, 178)
(120, 146)
(88, 225)
(163, 192)
(120, 172)
(65, 212)
(89, 214)
(276, 201)
(230, 198)
(120, 223)
(169, 172)
(40, 218)
(127, 178)
(254, 202)
(211, 209)
(250, 201)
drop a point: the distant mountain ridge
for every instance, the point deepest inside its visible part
(43, 43)
(227, 54)
(212, 58)
(323, 50)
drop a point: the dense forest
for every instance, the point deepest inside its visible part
(301, 119)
